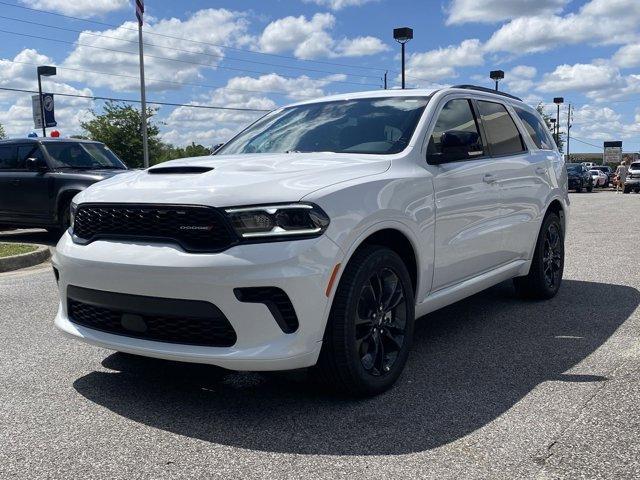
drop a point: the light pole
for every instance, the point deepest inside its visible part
(44, 71)
(496, 75)
(558, 101)
(402, 36)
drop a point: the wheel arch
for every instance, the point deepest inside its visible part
(556, 207)
(64, 196)
(395, 239)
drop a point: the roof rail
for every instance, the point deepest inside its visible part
(487, 90)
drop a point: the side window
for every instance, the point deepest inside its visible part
(503, 135)
(456, 135)
(536, 129)
(28, 151)
(7, 157)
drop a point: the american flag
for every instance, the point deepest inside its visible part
(139, 10)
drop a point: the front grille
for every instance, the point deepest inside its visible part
(150, 318)
(194, 228)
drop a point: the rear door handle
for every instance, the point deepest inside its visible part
(541, 170)
(489, 178)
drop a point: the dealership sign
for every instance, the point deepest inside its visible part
(612, 152)
(49, 110)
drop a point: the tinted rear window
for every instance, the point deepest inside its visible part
(536, 129)
(503, 135)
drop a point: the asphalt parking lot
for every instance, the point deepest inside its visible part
(495, 388)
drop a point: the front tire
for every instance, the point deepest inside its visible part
(545, 276)
(370, 327)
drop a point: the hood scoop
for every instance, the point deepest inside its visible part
(179, 170)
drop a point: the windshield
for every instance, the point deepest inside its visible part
(573, 167)
(83, 156)
(371, 125)
(634, 166)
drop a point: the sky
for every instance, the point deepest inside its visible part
(256, 55)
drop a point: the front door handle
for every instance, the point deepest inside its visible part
(15, 182)
(541, 170)
(489, 178)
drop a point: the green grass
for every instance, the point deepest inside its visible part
(9, 249)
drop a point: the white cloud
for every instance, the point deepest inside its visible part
(520, 79)
(597, 22)
(361, 46)
(602, 123)
(339, 4)
(441, 63)
(488, 11)
(210, 26)
(209, 127)
(311, 38)
(580, 77)
(15, 107)
(627, 56)
(81, 8)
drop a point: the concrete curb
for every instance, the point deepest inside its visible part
(24, 260)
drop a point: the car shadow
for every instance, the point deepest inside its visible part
(38, 236)
(470, 362)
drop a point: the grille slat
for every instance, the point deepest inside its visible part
(194, 228)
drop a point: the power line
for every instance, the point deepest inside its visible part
(147, 32)
(173, 59)
(127, 100)
(193, 52)
(586, 143)
(203, 85)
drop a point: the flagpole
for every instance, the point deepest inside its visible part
(143, 95)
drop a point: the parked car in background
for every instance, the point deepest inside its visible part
(316, 236)
(607, 170)
(633, 178)
(40, 176)
(600, 179)
(579, 177)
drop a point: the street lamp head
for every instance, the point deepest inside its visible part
(552, 120)
(46, 71)
(496, 74)
(402, 35)
(558, 100)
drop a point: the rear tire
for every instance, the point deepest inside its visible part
(590, 187)
(545, 276)
(370, 327)
(579, 188)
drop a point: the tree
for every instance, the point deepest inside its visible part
(547, 120)
(2, 133)
(119, 127)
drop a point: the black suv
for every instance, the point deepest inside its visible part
(40, 176)
(579, 177)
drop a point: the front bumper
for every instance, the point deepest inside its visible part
(300, 268)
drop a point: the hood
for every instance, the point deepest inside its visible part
(231, 180)
(97, 174)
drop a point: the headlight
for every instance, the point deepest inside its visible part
(73, 208)
(278, 221)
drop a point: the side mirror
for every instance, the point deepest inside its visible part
(36, 165)
(457, 145)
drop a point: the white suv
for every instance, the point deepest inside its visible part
(316, 236)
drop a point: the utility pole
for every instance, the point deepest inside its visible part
(569, 118)
(385, 79)
(143, 95)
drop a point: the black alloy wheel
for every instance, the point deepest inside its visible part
(547, 266)
(370, 327)
(381, 322)
(552, 256)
